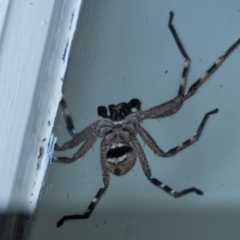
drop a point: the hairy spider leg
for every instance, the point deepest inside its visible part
(194, 87)
(158, 151)
(88, 211)
(187, 63)
(87, 144)
(171, 107)
(101, 191)
(86, 136)
(153, 180)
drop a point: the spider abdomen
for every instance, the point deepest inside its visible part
(120, 158)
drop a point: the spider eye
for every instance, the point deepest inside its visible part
(119, 111)
(134, 103)
(102, 111)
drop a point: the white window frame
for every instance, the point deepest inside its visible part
(35, 41)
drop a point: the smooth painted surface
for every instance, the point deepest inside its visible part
(35, 35)
(124, 50)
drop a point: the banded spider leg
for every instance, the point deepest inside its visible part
(171, 107)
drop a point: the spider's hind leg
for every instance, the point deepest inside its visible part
(156, 182)
(101, 191)
(172, 192)
(88, 211)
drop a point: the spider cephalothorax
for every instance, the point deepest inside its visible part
(119, 126)
(120, 147)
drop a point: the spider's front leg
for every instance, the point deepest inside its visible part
(156, 182)
(147, 138)
(171, 107)
(193, 89)
(101, 191)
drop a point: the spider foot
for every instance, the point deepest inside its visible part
(60, 222)
(71, 217)
(186, 191)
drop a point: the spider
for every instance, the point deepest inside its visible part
(119, 147)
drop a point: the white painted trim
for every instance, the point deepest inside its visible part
(35, 41)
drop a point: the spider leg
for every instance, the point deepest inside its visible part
(78, 138)
(187, 61)
(165, 109)
(193, 89)
(147, 138)
(88, 143)
(171, 107)
(68, 120)
(101, 191)
(67, 117)
(156, 182)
